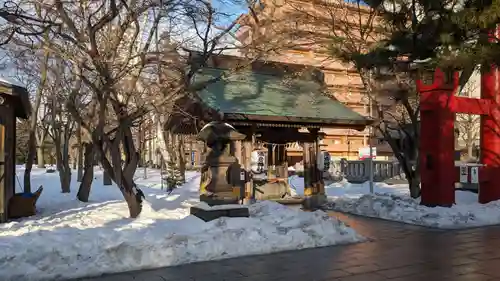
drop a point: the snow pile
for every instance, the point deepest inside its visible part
(392, 202)
(71, 239)
(406, 209)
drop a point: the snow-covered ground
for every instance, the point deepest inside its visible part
(392, 202)
(71, 239)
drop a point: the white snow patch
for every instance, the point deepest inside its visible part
(466, 213)
(71, 239)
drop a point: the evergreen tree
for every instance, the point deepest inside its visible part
(449, 33)
(411, 34)
(173, 177)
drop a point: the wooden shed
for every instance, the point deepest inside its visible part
(269, 102)
(14, 103)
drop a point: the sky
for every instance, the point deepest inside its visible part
(233, 8)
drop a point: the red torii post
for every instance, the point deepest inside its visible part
(490, 135)
(438, 105)
(490, 128)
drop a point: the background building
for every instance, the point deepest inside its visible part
(342, 80)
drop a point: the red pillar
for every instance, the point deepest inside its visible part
(437, 157)
(490, 134)
(437, 142)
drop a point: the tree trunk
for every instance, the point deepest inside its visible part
(150, 150)
(29, 162)
(124, 177)
(134, 205)
(106, 178)
(163, 142)
(182, 157)
(190, 157)
(61, 142)
(40, 156)
(80, 149)
(88, 174)
(73, 162)
(62, 161)
(414, 183)
(32, 141)
(470, 150)
(141, 145)
(65, 178)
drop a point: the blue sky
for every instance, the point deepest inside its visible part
(233, 8)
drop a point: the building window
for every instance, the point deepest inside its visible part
(335, 141)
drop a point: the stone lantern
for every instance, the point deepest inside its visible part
(222, 180)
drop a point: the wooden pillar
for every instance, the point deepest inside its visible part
(7, 158)
(271, 163)
(316, 174)
(319, 170)
(238, 152)
(247, 150)
(282, 169)
(313, 177)
(306, 156)
(3, 205)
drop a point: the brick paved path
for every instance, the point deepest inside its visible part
(399, 253)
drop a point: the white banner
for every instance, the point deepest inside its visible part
(326, 161)
(474, 174)
(464, 174)
(259, 161)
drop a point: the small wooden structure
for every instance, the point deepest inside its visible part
(14, 102)
(271, 103)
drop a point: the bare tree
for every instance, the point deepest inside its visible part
(31, 68)
(468, 125)
(37, 133)
(22, 139)
(207, 38)
(114, 76)
(22, 22)
(61, 122)
(109, 47)
(88, 174)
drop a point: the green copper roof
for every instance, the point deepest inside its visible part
(264, 95)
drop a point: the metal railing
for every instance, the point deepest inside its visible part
(358, 170)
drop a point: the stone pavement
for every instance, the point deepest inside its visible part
(399, 252)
